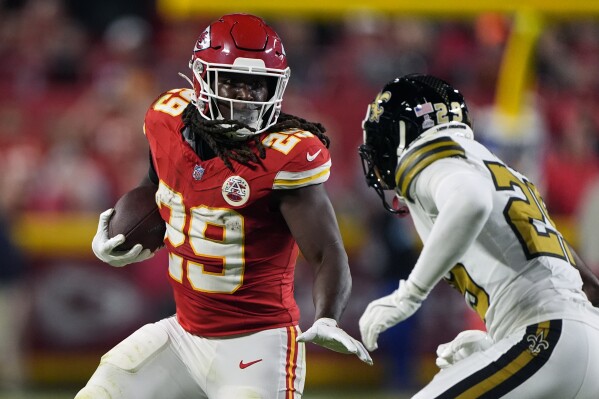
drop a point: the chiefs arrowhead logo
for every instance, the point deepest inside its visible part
(203, 41)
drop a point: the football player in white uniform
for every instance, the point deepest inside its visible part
(487, 232)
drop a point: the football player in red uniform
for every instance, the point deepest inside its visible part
(239, 185)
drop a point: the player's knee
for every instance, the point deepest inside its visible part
(134, 351)
(115, 377)
(109, 382)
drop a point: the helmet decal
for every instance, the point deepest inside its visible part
(422, 109)
(376, 109)
(427, 123)
(203, 41)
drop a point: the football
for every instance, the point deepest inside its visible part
(136, 215)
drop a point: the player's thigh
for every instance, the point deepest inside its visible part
(144, 366)
(525, 364)
(268, 364)
(590, 388)
(572, 369)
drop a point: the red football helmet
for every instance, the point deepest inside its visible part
(244, 44)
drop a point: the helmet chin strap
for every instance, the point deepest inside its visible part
(194, 99)
(186, 78)
(396, 207)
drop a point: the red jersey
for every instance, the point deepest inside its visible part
(231, 254)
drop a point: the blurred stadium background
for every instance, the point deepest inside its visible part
(75, 81)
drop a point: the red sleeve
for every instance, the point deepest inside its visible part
(305, 159)
(163, 123)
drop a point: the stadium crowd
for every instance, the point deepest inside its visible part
(75, 90)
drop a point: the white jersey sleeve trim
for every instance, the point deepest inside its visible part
(290, 180)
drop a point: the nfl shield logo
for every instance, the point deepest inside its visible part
(198, 172)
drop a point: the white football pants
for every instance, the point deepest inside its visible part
(557, 359)
(161, 360)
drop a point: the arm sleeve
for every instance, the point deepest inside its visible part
(463, 199)
(309, 163)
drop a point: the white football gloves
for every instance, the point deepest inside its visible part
(103, 246)
(389, 310)
(463, 345)
(326, 333)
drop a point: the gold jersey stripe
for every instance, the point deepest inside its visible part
(418, 158)
(289, 182)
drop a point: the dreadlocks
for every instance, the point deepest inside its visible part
(287, 121)
(215, 135)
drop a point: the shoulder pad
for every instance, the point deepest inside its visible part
(416, 159)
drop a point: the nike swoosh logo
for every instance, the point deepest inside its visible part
(243, 365)
(311, 157)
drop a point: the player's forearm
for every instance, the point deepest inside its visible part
(332, 283)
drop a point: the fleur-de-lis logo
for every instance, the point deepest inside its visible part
(537, 343)
(376, 108)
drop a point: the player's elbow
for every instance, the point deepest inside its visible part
(478, 195)
(481, 205)
(471, 202)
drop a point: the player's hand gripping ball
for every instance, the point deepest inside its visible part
(137, 217)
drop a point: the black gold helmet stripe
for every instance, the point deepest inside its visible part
(513, 368)
(420, 157)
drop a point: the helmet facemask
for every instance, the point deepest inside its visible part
(257, 115)
(379, 157)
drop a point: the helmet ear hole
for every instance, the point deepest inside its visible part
(197, 67)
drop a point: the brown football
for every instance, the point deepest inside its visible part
(136, 215)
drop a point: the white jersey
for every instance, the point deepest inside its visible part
(519, 269)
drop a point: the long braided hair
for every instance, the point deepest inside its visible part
(215, 135)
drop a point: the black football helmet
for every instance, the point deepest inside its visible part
(403, 110)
